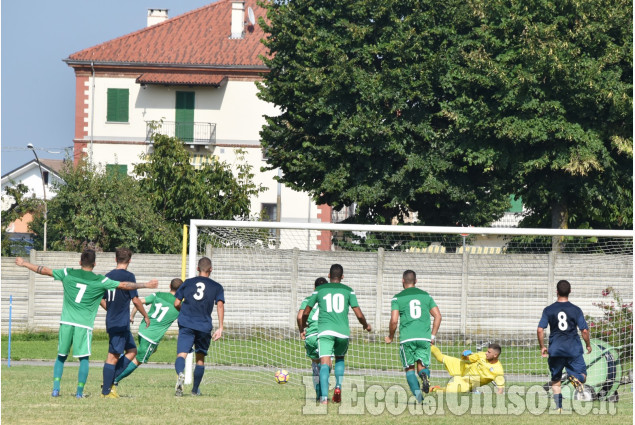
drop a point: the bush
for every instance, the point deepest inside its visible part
(615, 326)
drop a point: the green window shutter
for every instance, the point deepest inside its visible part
(118, 100)
(184, 115)
(517, 204)
(116, 169)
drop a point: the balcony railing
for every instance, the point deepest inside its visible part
(196, 133)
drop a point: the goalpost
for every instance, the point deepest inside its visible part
(491, 285)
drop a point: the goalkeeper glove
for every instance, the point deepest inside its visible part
(466, 353)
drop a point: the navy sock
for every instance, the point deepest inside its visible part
(198, 377)
(557, 398)
(109, 378)
(179, 365)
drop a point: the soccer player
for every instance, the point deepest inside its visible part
(333, 300)
(565, 350)
(162, 313)
(83, 291)
(310, 338)
(411, 308)
(195, 299)
(120, 339)
(472, 370)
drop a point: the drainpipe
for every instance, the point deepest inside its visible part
(92, 114)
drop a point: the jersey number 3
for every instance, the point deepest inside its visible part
(200, 291)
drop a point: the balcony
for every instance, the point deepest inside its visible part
(191, 133)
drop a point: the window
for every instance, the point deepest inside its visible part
(269, 212)
(116, 170)
(45, 175)
(118, 100)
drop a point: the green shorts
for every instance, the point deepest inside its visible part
(412, 351)
(145, 349)
(311, 346)
(329, 345)
(76, 336)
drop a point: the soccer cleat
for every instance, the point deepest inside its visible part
(337, 395)
(425, 384)
(82, 395)
(324, 400)
(178, 390)
(435, 388)
(579, 386)
(113, 390)
(197, 393)
(110, 395)
(55, 393)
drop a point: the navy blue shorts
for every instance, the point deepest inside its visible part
(575, 366)
(189, 338)
(119, 342)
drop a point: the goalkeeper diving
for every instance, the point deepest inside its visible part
(472, 370)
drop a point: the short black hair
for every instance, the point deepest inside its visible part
(175, 284)
(564, 288)
(409, 276)
(205, 265)
(320, 281)
(495, 346)
(123, 255)
(336, 271)
(88, 258)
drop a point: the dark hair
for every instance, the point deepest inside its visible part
(409, 276)
(123, 255)
(320, 281)
(175, 283)
(495, 347)
(204, 265)
(88, 258)
(336, 272)
(564, 288)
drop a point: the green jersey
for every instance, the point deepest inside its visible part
(311, 322)
(162, 313)
(414, 307)
(83, 291)
(333, 300)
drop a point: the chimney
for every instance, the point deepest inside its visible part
(156, 16)
(238, 19)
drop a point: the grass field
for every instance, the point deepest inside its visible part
(251, 396)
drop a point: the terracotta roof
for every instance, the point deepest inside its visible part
(181, 78)
(200, 38)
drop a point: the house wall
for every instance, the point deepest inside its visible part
(32, 178)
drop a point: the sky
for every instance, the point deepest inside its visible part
(37, 88)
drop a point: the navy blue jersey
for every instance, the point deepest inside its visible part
(198, 296)
(564, 319)
(118, 302)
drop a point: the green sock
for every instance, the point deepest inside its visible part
(339, 372)
(58, 370)
(127, 371)
(325, 371)
(413, 383)
(82, 375)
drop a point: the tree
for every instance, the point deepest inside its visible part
(553, 80)
(447, 108)
(104, 211)
(19, 206)
(360, 87)
(179, 192)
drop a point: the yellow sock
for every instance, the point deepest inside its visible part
(436, 353)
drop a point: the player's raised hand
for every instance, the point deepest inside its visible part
(153, 283)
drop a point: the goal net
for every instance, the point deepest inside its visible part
(490, 285)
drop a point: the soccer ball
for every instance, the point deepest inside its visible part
(281, 376)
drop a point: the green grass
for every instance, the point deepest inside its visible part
(147, 397)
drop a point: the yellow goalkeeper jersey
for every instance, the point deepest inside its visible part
(488, 372)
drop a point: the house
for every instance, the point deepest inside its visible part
(39, 184)
(192, 76)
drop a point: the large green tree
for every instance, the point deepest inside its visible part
(447, 108)
(553, 81)
(179, 192)
(103, 210)
(360, 88)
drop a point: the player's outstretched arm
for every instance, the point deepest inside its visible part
(541, 340)
(129, 286)
(392, 326)
(587, 340)
(436, 315)
(134, 310)
(37, 269)
(361, 318)
(220, 311)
